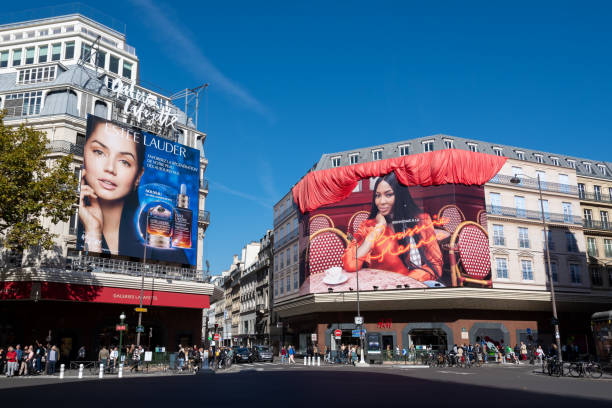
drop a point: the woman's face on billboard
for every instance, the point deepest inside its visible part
(384, 198)
(111, 163)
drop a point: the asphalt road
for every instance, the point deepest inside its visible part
(302, 386)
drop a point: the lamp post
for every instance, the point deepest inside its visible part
(122, 318)
(517, 180)
(359, 317)
(144, 265)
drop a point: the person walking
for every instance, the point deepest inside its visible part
(181, 358)
(52, 357)
(11, 362)
(81, 353)
(103, 357)
(291, 355)
(114, 355)
(283, 354)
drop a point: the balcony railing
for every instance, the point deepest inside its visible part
(63, 146)
(284, 214)
(204, 184)
(598, 225)
(91, 264)
(533, 184)
(602, 198)
(533, 215)
(292, 235)
(204, 217)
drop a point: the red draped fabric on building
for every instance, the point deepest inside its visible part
(450, 166)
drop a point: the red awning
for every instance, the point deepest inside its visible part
(450, 166)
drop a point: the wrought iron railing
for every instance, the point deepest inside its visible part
(63, 146)
(284, 214)
(292, 235)
(533, 184)
(204, 217)
(598, 225)
(599, 197)
(204, 184)
(533, 215)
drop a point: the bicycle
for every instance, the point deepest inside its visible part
(554, 367)
(584, 369)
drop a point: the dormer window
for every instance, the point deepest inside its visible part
(603, 169)
(554, 160)
(404, 150)
(520, 155)
(587, 167)
(449, 143)
(473, 147)
(428, 146)
(335, 161)
(539, 158)
(377, 154)
(498, 151)
(571, 163)
(354, 158)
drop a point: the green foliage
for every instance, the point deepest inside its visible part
(32, 186)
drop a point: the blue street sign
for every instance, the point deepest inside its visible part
(356, 332)
(528, 331)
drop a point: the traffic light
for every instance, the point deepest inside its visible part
(216, 325)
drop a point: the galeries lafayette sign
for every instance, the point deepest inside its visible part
(146, 108)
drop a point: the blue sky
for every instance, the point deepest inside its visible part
(290, 81)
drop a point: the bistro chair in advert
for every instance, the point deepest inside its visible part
(454, 215)
(325, 250)
(356, 220)
(319, 222)
(469, 255)
(481, 218)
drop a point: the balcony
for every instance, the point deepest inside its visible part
(289, 237)
(597, 197)
(598, 225)
(533, 184)
(63, 146)
(204, 217)
(204, 184)
(513, 212)
(284, 214)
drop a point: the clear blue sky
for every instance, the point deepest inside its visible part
(291, 81)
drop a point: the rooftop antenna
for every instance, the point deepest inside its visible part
(192, 97)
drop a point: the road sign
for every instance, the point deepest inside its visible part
(528, 331)
(338, 333)
(358, 320)
(121, 327)
(139, 329)
(140, 309)
(356, 332)
(216, 337)
(313, 336)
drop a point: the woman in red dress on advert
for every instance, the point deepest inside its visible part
(397, 236)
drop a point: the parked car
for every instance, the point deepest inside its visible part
(243, 355)
(263, 353)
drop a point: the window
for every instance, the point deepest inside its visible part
(36, 75)
(69, 50)
(498, 151)
(571, 163)
(575, 273)
(595, 273)
(604, 220)
(56, 52)
(554, 160)
(282, 286)
(539, 158)
(572, 245)
(43, 33)
(29, 56)
(43, 54)
(592, 246)
(564, 181)
(567, 212)
(551, 243)
(581, 191)
(553, 270)
(31, 34)
(57, 30)
(495, 203)
(603, 169)
(519, 204)
(498, 235)
(288, 283)
(543, 204)
(354, 158)
(275, 263)
(288, 256)
(85, 52)
(428, 146)
(587, 167)
(597, 192)
(18, 36)
(473, 147)
(449, 144)
(69, 28)
(377, 154)
(295, 280)
(282, 260)
(404, 150)
(4, 56)
(609, 193)
(275, 288)
(608, 248)
(501, 266)
(127, 70)
(527, 270)
(520, 155)
(23, 104)
(335, 161)
(523, 237)
(113, 65)
(588, 217)
(16, 58)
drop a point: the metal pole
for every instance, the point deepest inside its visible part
(144, 265)
(120, 341)
(550, 278)
(361, 361)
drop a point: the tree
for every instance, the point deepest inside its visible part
(32, 186)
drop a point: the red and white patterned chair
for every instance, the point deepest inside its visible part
(325, 250)
(469, 255)
(355, 221)
(481, 218)
(454, 215)
(319, 222)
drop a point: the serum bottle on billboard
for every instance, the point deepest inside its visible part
(182, 220)
(159, 227)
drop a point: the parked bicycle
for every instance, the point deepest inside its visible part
(585, 369)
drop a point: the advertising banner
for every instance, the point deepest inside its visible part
(138, 190)
(397, 236)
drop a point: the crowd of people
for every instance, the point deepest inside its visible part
(28, 360)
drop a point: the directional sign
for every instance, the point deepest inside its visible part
(121, 327)
(358, 333)
(139, 329)
(141, 309)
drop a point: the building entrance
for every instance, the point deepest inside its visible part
(436, 338)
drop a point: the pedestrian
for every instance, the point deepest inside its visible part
(354, 355)
(135, 352)
(11, 362)
(52, 360)
(81, 353)
(204, 353)
(114, 355)
(291, 355)
(181, 358)
(523, 350)
(283, 354)
(103, 357)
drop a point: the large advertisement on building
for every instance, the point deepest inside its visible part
(138, 190)
(396, 236)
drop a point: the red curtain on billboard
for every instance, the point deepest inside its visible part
(449, 166)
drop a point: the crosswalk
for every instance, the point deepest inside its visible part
(265, 366)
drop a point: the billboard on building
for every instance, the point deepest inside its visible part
(138, 190)
(399, 231)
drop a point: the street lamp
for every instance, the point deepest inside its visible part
(517, 180)
(122, 318)
(359, 318)
(144, 266)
